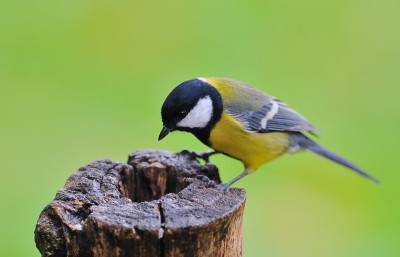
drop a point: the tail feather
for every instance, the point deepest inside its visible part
(299, 139)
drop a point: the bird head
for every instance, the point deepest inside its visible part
(193, 106)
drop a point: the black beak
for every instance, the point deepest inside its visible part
(164, 132)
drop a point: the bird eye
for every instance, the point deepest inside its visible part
(183, 113)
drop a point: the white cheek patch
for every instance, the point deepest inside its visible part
(199, 116)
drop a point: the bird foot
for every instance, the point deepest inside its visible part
(205, 155)
(224, 186)
(210, 183)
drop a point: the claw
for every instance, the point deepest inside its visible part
(210, 183)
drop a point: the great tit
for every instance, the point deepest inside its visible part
(242, 122)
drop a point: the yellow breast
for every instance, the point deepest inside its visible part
(253, 149)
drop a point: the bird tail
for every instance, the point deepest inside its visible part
(300, 140)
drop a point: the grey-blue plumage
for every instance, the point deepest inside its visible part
(278, 116)
(299, 140)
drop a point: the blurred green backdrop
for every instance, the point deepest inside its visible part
(83, 80)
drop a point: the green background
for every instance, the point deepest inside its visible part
(84, 80)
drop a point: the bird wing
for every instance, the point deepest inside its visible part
(258, 111)
(275, 116)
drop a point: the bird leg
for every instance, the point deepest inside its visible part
(226, 185)
(201, 155)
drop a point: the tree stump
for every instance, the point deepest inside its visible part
(152, 206)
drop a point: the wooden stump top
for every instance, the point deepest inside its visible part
(152, 206)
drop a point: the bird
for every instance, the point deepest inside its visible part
(241, 121)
